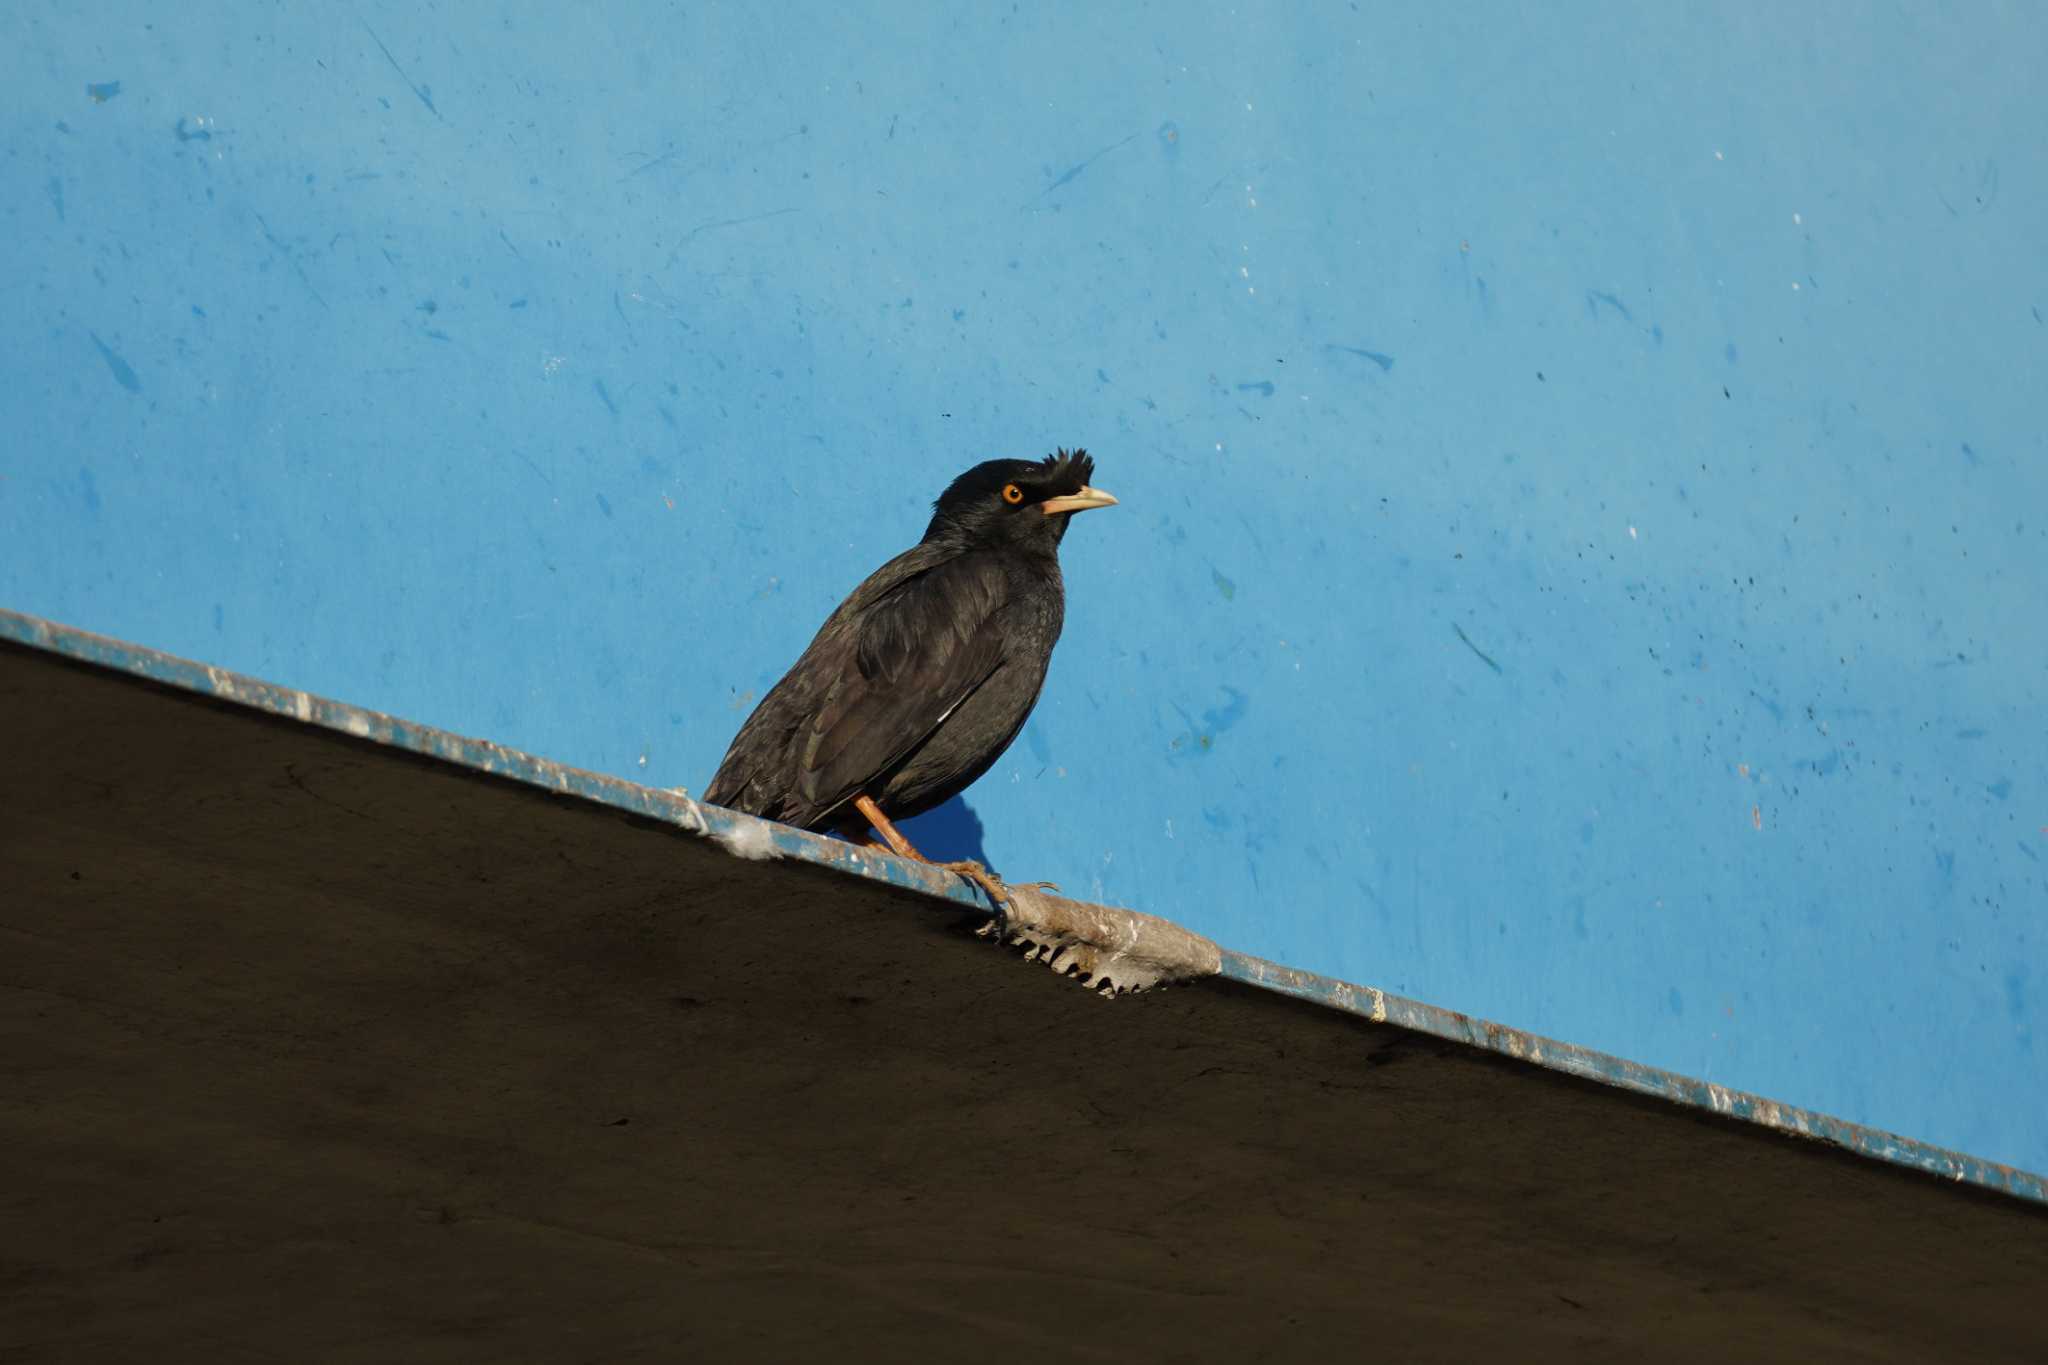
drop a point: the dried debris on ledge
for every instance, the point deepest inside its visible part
(1111, 951)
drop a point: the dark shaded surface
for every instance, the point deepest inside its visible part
(318, 1051)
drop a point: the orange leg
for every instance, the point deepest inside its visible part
(903, 848)
(891, 835)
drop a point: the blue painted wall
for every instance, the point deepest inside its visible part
(1585, 506)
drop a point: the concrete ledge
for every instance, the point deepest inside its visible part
(332, 1037)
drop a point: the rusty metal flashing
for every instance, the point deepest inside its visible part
(1102, 944)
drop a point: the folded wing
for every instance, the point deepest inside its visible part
(891, 664)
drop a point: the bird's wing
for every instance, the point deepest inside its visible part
(892, 667)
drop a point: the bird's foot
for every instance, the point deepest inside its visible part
(893, 840)
(988, 881)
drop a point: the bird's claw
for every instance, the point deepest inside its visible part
(994, 886)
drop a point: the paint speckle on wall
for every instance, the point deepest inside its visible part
(124, 373)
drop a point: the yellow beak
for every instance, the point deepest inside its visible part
(1077, 502)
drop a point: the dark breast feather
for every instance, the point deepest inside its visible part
(917, 650)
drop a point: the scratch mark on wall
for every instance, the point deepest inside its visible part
(1073, 172)
(1594, 298)
(291, 258)
(124, 373)
(1379, 358)
(670, 155)
(1484, 657)
(425, 94)
(718, 223)
(527, 460)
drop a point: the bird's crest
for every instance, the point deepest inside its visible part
(1064, 471)
(1067, 471)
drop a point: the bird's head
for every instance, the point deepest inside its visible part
(1024, 503)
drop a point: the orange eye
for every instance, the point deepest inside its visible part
(1012, 494)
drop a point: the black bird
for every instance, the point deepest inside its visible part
(922, 677)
